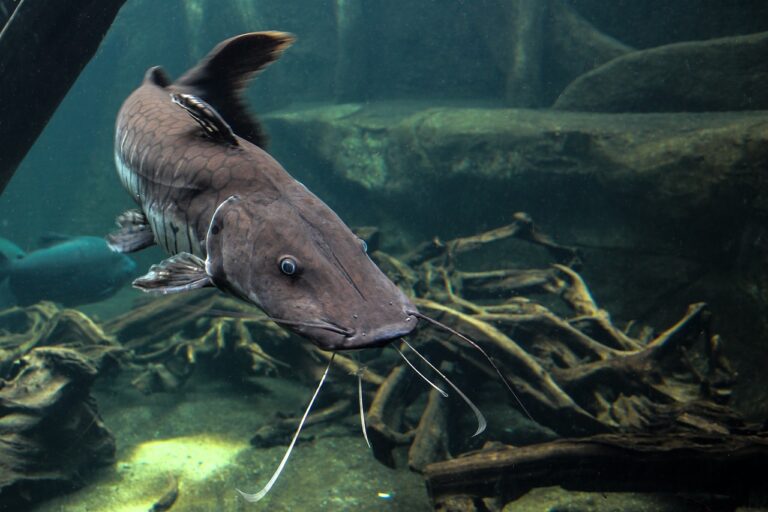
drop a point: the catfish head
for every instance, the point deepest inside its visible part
(299, 263)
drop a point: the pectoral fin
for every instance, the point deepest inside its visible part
(214, 126)
(179, 273)
(134, 234)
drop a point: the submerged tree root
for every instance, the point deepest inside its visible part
(575, 373)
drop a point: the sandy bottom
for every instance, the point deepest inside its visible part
(200, 437)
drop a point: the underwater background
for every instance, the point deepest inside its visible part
(633, 132)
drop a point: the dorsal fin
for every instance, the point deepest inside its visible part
(49, 239)
(220, 77)
(209, 120)
(157, 75)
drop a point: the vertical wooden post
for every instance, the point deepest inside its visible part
(43, 49)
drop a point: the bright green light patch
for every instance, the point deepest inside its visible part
(188, 458)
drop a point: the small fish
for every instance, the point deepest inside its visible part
(68, 270)
(231, 217)
(169, 497)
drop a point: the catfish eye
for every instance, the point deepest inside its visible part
(288, 266)
(364, 245)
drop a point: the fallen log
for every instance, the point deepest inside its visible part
(732, 465)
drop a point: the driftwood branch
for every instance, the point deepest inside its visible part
(280, 431)
(695, 463)
(385, 417)
(577, 375)
(431, 441)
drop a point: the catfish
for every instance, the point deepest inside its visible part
(230, 216)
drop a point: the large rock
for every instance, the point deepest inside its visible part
(649, 23)
(51, 433)
(699, 169)
(716, 75)
(573, 47)
(541, 45)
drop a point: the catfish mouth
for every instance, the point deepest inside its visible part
(331, 336)
(381, 335)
